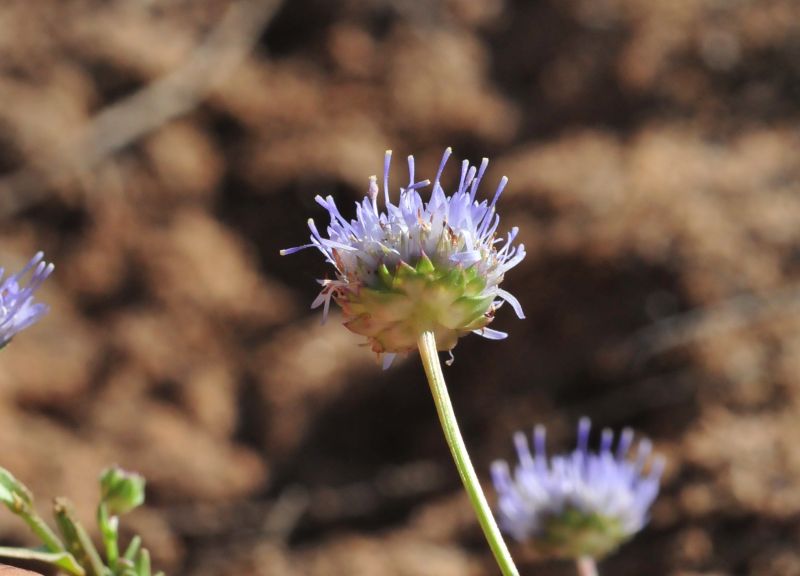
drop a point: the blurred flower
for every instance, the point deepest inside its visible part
(121, 491)
(418, 266)
(17, 307)
(580, 504)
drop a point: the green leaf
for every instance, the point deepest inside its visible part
(6, 495)
(19, 500)
(78, 541)
(14, 493)
(63, 560)
(143, 563)
(133, 549)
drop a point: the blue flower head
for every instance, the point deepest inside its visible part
(17, 307)
(418, 265)
(584, 503)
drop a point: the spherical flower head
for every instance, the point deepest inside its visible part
(18, 310)
(580, 504)
(418, 266)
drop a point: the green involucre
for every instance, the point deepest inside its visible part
(410, 300)
(574, 534)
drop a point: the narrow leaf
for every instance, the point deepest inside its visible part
(133, 549)
(63, 560)
(143, 563)
(78, 541)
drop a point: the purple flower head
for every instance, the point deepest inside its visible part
(434, 253)
(584, 503)
(17, 307)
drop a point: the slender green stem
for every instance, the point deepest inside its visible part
(42, 530)
(447, 417)
(109, 532)
(586, 566)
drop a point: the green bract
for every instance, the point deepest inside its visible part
(574, 534)
(448, 301)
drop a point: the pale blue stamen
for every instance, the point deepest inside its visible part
(387, 161)
(491, 334)
(17, 307)
(454, 230)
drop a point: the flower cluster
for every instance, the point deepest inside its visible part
(17, 307)
(418, 266)
(580, 504)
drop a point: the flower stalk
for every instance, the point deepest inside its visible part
(586, 566)
(444, 407)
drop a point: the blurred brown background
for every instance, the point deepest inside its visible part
(161, 152)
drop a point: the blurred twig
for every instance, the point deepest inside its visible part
(321, 506)
(128, 120)
(704, 323)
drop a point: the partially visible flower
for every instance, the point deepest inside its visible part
(418, 266)
(580, 504)
(17, 307)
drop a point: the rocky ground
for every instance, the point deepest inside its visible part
(161, 152)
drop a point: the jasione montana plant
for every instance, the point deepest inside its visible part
(420, 274)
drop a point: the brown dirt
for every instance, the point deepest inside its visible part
(652, 149)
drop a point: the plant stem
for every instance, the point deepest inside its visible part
(586, 566)
(43, 531)
(447, 417)
(109, 532)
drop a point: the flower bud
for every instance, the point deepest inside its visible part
(121, 491)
